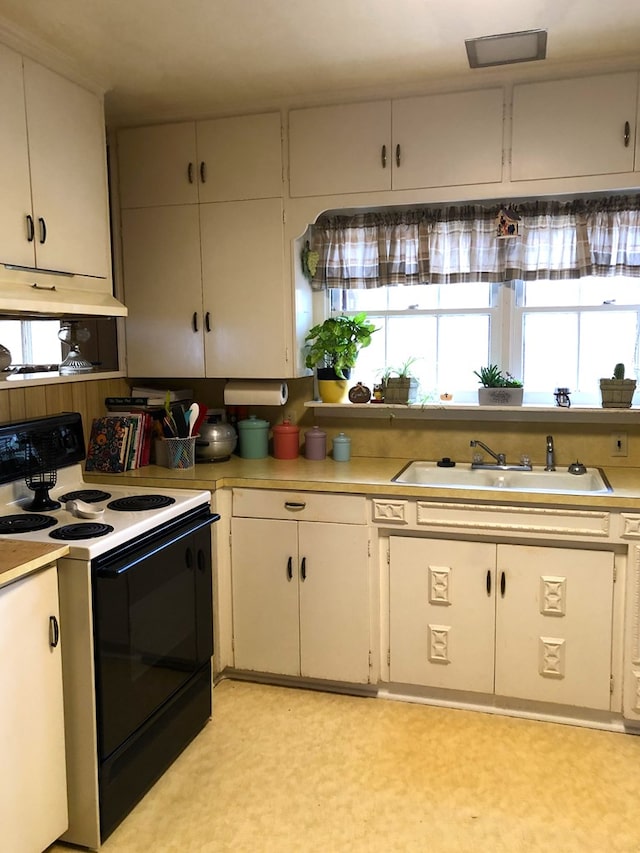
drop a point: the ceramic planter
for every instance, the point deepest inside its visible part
(500, 396)
(617, 393)
(331, 388)
(401, 390)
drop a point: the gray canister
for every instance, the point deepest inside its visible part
(342, 448)
(254, 438)
(315, 443)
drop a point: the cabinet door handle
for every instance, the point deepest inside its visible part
(43, 229)
(383, 156)
(42, 287)
(54, 632)
(195, 321)
(627, 134)
(503, 584)
(203, 172)
(31, 231)
(290, 569)
(488, 581)
(190, 173)
(398, 154)
(294, 505)
(207, 321)
(303, 569)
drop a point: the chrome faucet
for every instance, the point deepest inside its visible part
(499, 457)
(551, 456)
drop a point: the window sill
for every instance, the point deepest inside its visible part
(474, 412)
(52, 377)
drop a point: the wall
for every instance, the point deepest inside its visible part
(86, 397)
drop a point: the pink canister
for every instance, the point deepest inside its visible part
(315, 443)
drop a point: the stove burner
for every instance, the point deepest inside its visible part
(82, 530)
(89, 496)
(25, 523)
(140, 502)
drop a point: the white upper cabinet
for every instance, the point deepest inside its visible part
(448, 140)
(568, 128)
(430, 141)
(158, 165)
(227, 159)
(341, 149)
(240, 158)
(54, 186)
(15, 187)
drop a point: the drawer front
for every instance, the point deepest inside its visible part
(299, 506)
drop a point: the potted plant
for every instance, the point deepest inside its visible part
(401, 388)
(332, 348)
(498, 388)
(617, 392)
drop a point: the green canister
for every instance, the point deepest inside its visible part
(254, 438)
(342, 448)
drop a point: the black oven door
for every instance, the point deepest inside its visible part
(153, 624)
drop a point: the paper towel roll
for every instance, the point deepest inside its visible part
(240, 392)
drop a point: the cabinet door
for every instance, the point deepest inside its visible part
(264, 560)
(158, 165)
(334, 601)
(33, 789)
(163, 291)
(15, 188)
(67, 154)
(339, 149)
(445, 140)
(245, 299)
(241, 157)
(442, 612)
(565, 128)
(554, 625)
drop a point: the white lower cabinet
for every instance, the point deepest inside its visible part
(301, 598)
(33, 789)
(519, 621)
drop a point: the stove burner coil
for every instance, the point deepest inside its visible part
(134, 503)
(82, 530)
(25, 523)
(89, 496)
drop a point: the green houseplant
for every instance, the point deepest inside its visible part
(332, 348)
(499, 388)
(401, 388)
(617, 392)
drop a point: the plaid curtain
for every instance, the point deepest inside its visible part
(460, 244)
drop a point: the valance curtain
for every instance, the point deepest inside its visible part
(460, 244)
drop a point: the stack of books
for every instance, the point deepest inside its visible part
(120, 442)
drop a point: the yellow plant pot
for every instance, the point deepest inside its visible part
(333, 390)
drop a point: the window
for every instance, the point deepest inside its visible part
(32, 341)
(549, 334)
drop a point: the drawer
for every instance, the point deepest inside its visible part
(299, 506)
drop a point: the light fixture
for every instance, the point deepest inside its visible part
(505, 48)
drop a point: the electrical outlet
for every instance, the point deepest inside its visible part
(619, 444)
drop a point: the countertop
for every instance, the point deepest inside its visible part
(18, 558)
(361, 475)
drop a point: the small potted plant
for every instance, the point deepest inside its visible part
(617, 392)
(332, 348)
(498, 388)
(401, 388)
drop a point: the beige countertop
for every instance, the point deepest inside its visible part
(361, 475)
(18, 558)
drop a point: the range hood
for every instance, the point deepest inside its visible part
(32, 293)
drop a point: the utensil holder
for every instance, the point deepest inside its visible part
(179, 452)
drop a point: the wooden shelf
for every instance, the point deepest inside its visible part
(473, 412)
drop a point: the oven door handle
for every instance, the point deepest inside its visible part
(118, 570)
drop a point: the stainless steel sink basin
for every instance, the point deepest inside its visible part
(428, 474)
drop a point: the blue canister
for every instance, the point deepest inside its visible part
(254, 438)
(342, 448)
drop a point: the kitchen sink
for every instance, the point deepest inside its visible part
(429, 474)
